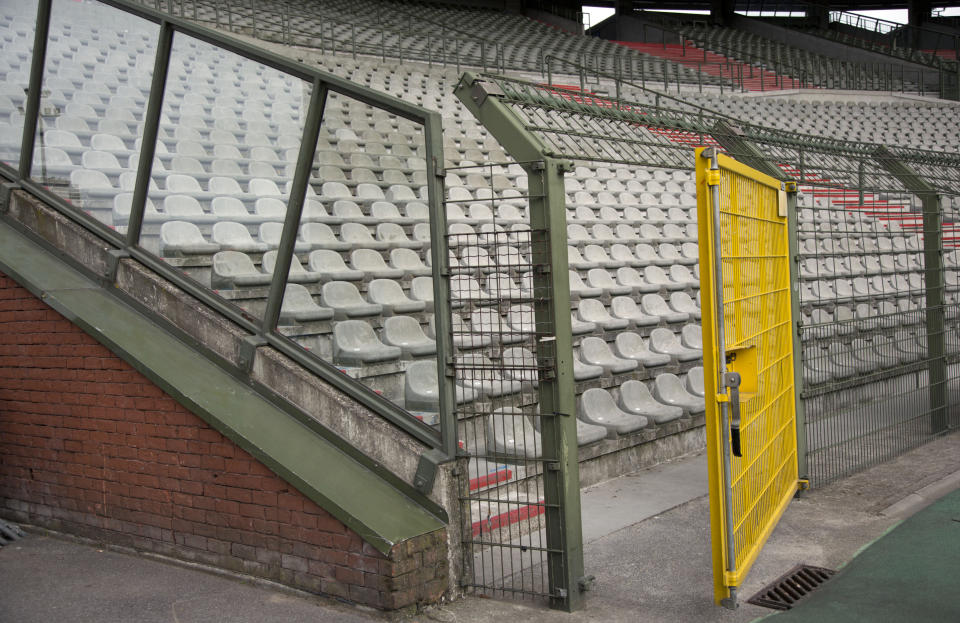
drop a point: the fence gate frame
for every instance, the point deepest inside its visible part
(739, 367)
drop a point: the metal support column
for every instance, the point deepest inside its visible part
(440, 260)
(561, 474)
(31, 113)
(151, 128)
(792, 229)
(933, 281)
(298, 191)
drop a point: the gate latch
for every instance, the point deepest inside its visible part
(731, 380)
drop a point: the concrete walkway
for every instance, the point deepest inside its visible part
(646, 541)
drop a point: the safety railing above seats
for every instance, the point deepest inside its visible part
(205, 159)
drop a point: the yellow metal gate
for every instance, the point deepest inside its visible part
(748, 361)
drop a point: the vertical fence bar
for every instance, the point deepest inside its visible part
(440, 261)
(933, 283)
(795, 324)
(151, 129)
(31, 112)
(561, 474)
(298, 192)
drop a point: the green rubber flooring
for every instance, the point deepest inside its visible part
(910, 575)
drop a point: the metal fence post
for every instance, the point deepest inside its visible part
(31, 112)
(792, 229)
(151, 128)
(933, 281)
(298, 192)
(561, 475)
(440, 260)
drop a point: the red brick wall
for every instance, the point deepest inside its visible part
(90, 446)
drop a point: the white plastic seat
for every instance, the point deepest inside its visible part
(654, 305)
(630, 345)
(665, 341)
(232, 209)
(578, 289)
(477, 372)
(331, 267)
(680, 274)
(596, 406)
(668, 389)
(632, 278)
(691, 336)
(394, 236)
(270, 208)
(373, 265)
(390, 295)
(592, 310)
(595, 253)
(421, 289)
(595, 351)
(296, 274)
(466, 288)
(502, 286)
(627, 309)
(635, 398)
(179, 238)
(298, 306)
(236, 237)
(520, 364)
(234, 269)
(511, 435)
(405, 333)
(600, 278)
(121, 210)
(409, 262)
(421, 390)
(360, 237)
(348, 211)
(319, 235)
(346, 302)
(681, 302)
(623, 256)
(658, 277)
(576, 260)
(355, 344)
(270, 234)
(693, 382)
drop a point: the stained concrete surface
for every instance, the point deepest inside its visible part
(646, 541)
(48, 579)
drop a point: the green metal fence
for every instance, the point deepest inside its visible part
(875, 267)
(130, 229)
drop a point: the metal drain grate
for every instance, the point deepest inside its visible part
(784, 592)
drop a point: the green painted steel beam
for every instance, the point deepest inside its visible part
(353, 493)
(556, 398)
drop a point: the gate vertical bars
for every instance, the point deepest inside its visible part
(750, 492)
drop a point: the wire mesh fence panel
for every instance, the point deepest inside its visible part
(502, 349)
(878, 332)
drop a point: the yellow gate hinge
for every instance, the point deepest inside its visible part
(713, 177)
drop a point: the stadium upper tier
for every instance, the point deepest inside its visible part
(431, 33)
